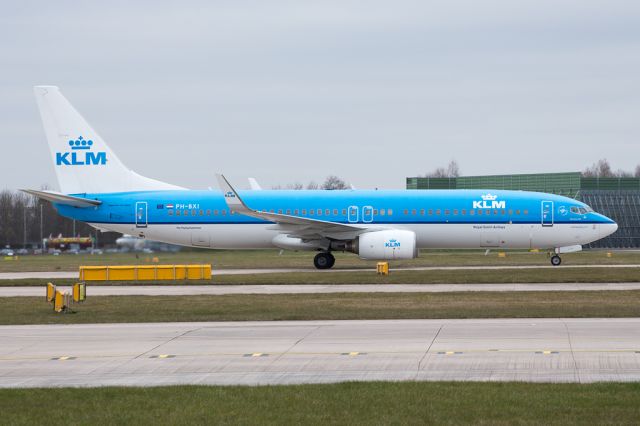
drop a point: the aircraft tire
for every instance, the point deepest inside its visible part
(556, 260)
(324, 260)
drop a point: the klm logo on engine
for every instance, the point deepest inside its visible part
(392, 244)
(489, 202)
(81, 154)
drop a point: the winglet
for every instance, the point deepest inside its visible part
(254, 184)
(231, 197)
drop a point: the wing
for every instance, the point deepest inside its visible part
(294, 226)
(59, 198)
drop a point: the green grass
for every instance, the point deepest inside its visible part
(239, 259)
(345, 403)
(529, 275)
(344, 306)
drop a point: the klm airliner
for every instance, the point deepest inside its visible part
(97, 188)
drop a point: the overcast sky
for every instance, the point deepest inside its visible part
(289, 91)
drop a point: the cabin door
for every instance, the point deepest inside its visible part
(141, 214)
(547, 213)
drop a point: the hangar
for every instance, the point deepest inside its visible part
(615, 197)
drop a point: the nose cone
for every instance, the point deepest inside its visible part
(607, 229)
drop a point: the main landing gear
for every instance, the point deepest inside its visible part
(555, 260)
(324, 260)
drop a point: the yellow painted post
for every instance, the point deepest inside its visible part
(51, 292)
(609, 254)
(382, 268)
(502, 254)
(59, 300)
(79, 292)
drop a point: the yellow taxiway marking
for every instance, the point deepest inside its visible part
(64, 358)
(256, 354)
(354, 353)
(163, 356)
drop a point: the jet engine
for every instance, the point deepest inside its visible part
(382, 245)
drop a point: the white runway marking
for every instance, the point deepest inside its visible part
(213, 289)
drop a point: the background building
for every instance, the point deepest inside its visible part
(617, 198)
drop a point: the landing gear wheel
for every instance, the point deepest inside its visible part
(324, 260)
(555, 260)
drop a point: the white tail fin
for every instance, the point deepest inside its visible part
(82, 160)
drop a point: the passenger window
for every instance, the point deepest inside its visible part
(319, 212)
(510, 212)
(495, 212)
(503, 212)
(201, 212)
(421, 212)
(170, 212)
(215, 212)
(279, 211)
(472, 212)
(447, 212)
(413, 212)
(335, 212)
(271, 211)
(344, 212)
(186, 212)
(223, 212)
(304, 212)
(525, 212)
(389, 212)
(288, 211)
(178, 212)
(382, 212)
(479, 212)
(208, 212)
(517, 212)
(438, 212)
(327, 212)
(430, 212)
(295, 212)
(455, 212)
(375, 212)
(311, 212)
(406, 211)
(463, 212)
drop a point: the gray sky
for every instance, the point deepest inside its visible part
(290, 91)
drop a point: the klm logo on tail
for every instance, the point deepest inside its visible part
(81, 154)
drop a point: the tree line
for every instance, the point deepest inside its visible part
(600, 168)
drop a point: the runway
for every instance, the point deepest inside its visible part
(255, 353)
(75, 274)
(214, 289)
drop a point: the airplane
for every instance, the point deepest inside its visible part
(97, 188)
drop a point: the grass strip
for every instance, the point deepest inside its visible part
(478, 276)
(239, 259)
(345, 403)
(344, 306)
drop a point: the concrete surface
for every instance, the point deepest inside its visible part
(75, 274)
(213, 289)
(537, 350)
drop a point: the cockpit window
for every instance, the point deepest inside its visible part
(574, 209)
(582, 210)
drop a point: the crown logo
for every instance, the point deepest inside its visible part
(489, 197)
(80, 143)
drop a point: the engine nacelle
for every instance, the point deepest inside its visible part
(387, 245)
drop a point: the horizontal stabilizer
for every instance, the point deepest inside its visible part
(60, 198)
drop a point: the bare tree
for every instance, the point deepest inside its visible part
(313, 185)
(295, 186)
(637, 173)
(452, 170)
(600, 169)
(333, 182)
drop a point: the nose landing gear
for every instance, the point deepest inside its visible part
(324, 260)
(555, 260)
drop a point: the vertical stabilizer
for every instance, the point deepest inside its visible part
(83, 162)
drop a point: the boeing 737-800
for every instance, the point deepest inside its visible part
(96, 187)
